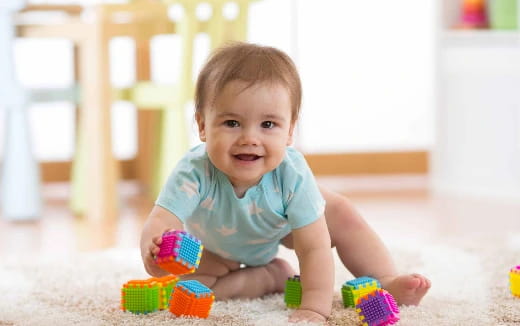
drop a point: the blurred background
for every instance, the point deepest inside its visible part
(417, 97)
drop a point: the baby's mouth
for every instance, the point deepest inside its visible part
(247, 157)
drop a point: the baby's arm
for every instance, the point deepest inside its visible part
(159, 221)
(312, 246)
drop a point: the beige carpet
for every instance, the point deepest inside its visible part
(470, 287)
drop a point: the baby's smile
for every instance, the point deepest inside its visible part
(247, 157)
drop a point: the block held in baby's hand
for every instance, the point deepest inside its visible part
(179, 252)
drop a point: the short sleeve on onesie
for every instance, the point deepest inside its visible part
(182, 193)
(246, 229)
(303, 201)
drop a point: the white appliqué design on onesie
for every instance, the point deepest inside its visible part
(190, 188)
(226, 232)
(208, 203)
(198, 229)
(255, 210)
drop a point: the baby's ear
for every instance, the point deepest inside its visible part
(202, 126)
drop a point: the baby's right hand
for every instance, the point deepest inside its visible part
(303, 315)
(149, 260)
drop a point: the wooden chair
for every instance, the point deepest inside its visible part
(95, 172)
(20, 178)
(171, 100)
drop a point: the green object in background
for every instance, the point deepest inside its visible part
(503, 14)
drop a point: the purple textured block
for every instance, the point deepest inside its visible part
(377, 308)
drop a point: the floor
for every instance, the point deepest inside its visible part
(393, 205)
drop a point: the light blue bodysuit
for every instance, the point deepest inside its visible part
(248, 229)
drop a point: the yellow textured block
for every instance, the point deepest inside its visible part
(514, 281)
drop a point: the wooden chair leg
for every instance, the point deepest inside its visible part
(174, 142)
(148, 146)
(78, 202)
(148, 121)
(101, 170)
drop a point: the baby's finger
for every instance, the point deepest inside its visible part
(157, 240)
(154, 250)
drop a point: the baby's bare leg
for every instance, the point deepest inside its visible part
(254, 282)
(228, 280)
(358, 246)
(363, 253)
(211, 268)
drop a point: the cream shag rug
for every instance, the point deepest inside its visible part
(470, 287)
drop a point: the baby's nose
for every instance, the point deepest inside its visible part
(249, 137)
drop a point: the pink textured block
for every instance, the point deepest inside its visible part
(179, 252)
(168, 243)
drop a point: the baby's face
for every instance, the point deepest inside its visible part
(246, 131)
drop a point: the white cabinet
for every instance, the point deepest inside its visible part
(477, 149)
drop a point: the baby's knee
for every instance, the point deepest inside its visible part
(342, 219)
(278, 271)
(340, 210)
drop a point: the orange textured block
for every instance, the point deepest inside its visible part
(171, 265)
(473, 7)
(191, 298)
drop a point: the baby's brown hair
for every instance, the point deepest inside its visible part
(249, 63)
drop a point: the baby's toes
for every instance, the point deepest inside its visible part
(426, 284)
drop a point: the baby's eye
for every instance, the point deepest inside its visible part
(268, 124)
(231, 123)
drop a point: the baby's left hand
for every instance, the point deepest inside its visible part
(307, 316)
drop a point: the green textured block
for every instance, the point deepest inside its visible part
(140, 297)
(293, 292)
(353, 289)
(166, 285)
(503, 14)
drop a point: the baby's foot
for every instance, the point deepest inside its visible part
(406, 289)
(279, 270)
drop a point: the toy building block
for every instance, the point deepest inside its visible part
(352, 290)
(140, 296)
(166, 285)
(293, 292)
(514, 281)
(191, 298)
(179, 252)
(473, 14)
(377, 308)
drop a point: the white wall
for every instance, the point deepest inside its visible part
(366, 69)
(477, 151)
(477, 148)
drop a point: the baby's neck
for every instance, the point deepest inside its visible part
(240, 191)
(240, 188)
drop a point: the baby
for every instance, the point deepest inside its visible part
(244, 192)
